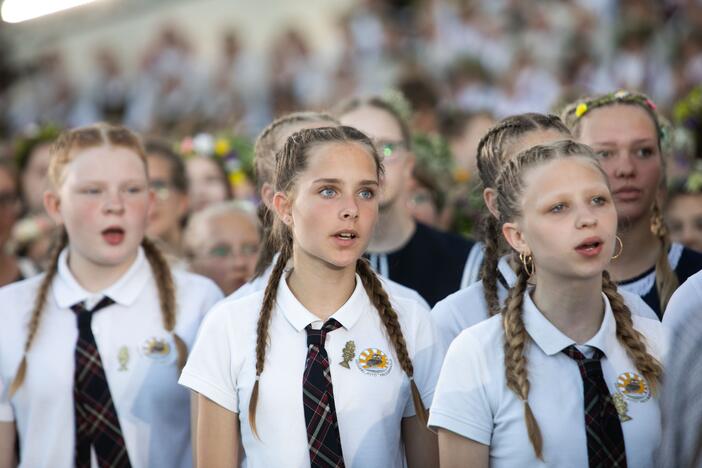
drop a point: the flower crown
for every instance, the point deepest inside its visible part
(233, 151)
(623, 96)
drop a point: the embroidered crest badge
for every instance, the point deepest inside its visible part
(633, 386)
(158, 349)
(373, 361)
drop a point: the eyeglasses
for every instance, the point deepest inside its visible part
(161, 188)
(388, 149)
(223, 250)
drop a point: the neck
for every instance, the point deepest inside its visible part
(94, 277)
(394, 228)
(574, 307)
(321, 288)
(640, 252)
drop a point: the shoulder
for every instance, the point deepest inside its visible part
(656, 334)
(462, 302)
(195, 292)
(397, 291)
(243, 312)
(636, 305)
(19, 296)
(484, 336)
(685, 303)
(195, 283)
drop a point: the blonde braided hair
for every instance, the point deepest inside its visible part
(290, 161)
(510, 187)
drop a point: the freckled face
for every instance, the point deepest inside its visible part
(103, 203)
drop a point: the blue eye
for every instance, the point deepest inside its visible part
(327, 192)
(367, 194)
(557, 208)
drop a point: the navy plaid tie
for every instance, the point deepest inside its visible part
(323, 437)
(95, 415)
(605, 440)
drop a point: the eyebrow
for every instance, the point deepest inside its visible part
(638, 141)
(338, 181)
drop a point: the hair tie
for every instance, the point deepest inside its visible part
(258, 377)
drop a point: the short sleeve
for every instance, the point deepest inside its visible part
(443, 315)
(461, 404)
(208, 370)
(684, 304)
(426, 360)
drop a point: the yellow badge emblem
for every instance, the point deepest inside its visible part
(633, 386)
(156, 348)
(373, 361)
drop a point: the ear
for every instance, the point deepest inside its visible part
(490, 198)
(282, 205)
(267, 194)
(183, 203)
(515, 238)
(52, 205)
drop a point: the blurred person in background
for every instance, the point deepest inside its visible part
(417, 256)
(207, 182)
(222, 242)
(32, 156)
(12, 267)
(683, 212)
(169, 183)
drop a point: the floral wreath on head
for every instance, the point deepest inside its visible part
(234, 153)
(31, 137)
(580, 108)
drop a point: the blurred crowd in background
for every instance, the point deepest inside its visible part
(453, 69)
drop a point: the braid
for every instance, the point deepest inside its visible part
(515, 361)
(488, 270)
(269, 245)
(59, 244)
(264, 321)
(666, 279)
(381, 302)
(166, 295)
(633, 341)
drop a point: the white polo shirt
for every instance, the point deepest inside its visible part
(472, 398)
(370, 402)
(138, 355)
(467, 307)
(685, 304)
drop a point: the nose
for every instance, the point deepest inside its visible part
(625, 166)
(349, 210)
(114, 202)
(585, 218)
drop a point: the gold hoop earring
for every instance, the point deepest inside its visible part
(527, 263)
(621, 248)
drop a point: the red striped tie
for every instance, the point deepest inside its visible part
(323, 438)
(96, 419)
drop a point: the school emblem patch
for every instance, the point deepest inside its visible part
(373, 361)
(633, 386)
(158, 349)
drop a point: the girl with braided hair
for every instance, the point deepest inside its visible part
(485, 298)
(91, 350)
(322, 368)
(628, 136)
(565, 375)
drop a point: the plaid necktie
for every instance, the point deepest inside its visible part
(323, 437)
(605, 440)
(95, 415)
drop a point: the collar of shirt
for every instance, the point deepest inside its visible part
(552, 341)
(124, 291)
(506, 270)
(299, 317)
